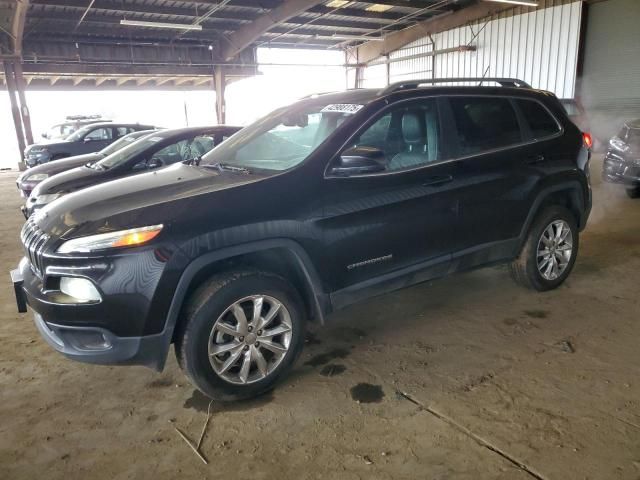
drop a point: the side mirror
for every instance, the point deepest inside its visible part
(359, 161)
(155, 163)
(44, 135)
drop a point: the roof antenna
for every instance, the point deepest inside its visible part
(484, 75)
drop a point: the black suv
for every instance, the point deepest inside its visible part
(622, 161)
(87, 139)
(320, 204)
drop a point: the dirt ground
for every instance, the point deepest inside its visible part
(468, 377)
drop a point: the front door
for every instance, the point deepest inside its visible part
(398, 220)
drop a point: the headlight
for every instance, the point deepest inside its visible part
(122, 238)
(44, 199)
(617, 144)
(38, 177)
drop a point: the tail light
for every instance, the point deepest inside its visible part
(588, 140)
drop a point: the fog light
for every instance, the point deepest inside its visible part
(79, 288)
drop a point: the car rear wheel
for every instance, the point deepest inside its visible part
(549, 252)
(241, 333)
(633, 192)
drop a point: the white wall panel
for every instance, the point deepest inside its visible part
(539, 47)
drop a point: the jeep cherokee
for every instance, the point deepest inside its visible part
(320, 204)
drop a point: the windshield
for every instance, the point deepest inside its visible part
(123, 155)
(123, 142)
(283, 139)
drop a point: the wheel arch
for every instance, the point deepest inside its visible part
(567, 194)
(297, 267)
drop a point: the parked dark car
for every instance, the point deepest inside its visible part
(72, 123)
(88, 139)
(320, 204)
(622, 161)
(151, 152)
(28, 180)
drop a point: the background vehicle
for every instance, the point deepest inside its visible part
(622, 161)
(151, 152)
(88, 139)
(28, 180)
(73, 123)
(318, 205)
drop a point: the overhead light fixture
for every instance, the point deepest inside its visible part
(378, 7)
(172, 26)
(357, 38)
(526, 3)
(337, 3)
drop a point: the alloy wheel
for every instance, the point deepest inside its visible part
(250, 339)
(554, 250)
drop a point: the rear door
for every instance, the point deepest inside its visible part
(398, 219)
(493, 151)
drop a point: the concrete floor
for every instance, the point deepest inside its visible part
(467, 377)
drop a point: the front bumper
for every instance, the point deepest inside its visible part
(113, 331)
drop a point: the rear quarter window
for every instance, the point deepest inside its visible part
(484, 124)
(540, 121)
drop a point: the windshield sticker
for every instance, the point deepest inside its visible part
(349, 108)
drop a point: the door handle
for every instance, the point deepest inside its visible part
(437, 180)
(536, 159)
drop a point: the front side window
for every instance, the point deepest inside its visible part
(283, 139)
(484, 124)
(99, 134)
(408, 135)
(540, 121)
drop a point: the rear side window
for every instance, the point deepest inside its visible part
(484, 123)
(540, 121)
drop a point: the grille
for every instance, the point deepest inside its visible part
(33, 241)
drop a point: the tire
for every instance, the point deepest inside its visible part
(525, 268)
(211, 307)
(633, 192)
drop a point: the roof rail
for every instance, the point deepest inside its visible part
(503, 82)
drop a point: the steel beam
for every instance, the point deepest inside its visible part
(15, 110)
(371, 50)
(24, 108)
(220, 84)
(247, 34)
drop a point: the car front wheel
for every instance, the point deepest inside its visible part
(240, 334)
(633, 192)
(549, 252)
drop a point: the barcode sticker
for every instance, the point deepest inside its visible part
(350, 108)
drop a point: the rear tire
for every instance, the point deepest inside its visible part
(633, 192)
(549, 251)
(227, 350)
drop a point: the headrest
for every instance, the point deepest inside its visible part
(413, 128)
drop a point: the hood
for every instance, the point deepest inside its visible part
(57, 166)
(68, 181)
(47, 143)
(144, 197)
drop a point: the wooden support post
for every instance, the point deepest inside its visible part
(220, 83)
(24, 108)
(15, 110)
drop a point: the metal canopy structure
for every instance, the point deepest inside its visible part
(70, 43)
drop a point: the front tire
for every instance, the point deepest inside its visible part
(241, 332)
(549, 252)
(633, 192)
